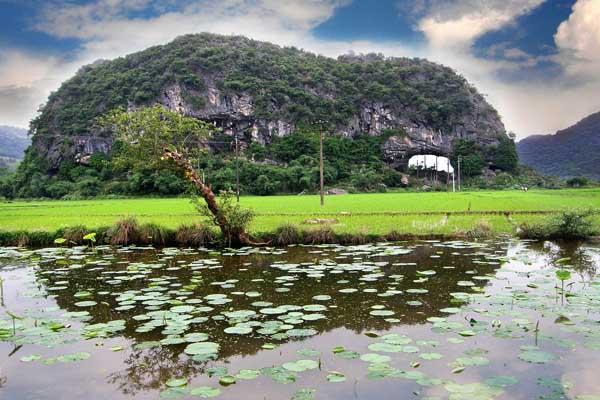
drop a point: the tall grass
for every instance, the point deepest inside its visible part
(195, 235)
(125, 232)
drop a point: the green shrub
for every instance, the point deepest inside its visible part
(238, 219)
(481, 230)
(578, 181)
(568, 225)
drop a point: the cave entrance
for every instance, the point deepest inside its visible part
(430, 172)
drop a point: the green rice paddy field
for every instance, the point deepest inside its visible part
(414, 213)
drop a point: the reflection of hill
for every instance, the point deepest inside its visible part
(148, 368)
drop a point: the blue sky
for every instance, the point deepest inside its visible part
(535, 60)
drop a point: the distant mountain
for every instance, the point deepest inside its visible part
(574, 151)
(13, 142)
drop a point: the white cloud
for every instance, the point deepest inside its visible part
(459, 23)
(106, 30)
(578, 39)
(25, 81)
(530, 106)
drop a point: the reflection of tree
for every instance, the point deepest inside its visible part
(581, 259)
(148, 369)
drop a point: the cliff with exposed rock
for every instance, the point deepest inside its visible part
(259, 91)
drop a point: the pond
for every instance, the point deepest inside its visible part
(412, 320)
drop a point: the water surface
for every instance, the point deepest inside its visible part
(422, 320)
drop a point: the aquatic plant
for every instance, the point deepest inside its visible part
(91, 237)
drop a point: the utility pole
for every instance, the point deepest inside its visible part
(436, 171)
(459, 160)
(322, 190)
(237, 170)
(447, 175)
(417, 182)
(453, 184)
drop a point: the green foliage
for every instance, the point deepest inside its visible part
(578, 181)
(472, 158)
(568, 225)
(146, 133)
(238, 219)
(563, 275)
(264, 185)
(287, 234)
(574, 224)
(366, 180)
(285, 84)
(504, 156)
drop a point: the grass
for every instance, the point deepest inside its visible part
(373, 214)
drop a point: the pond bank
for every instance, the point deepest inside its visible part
(567, 225)
(203, 236)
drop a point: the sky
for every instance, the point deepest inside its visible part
(536, 61)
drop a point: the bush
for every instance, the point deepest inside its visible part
(75, 234)
(578, 181)
(481, 230)
(568, 225)
(237, 218)
(59, 189)
(367, 180)
(263, 186)
(88, 187)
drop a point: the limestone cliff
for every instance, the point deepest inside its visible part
(258, 90)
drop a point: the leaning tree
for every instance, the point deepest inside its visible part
(154, 136)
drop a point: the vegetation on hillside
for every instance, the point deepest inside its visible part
(572, 152)
(284, 83)
(288, 165)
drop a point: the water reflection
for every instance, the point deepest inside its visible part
(415, 284)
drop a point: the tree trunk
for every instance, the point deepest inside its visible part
(235, 238)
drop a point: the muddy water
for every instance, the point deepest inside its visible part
(423, 320)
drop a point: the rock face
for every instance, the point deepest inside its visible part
(259, 91)
(574, 151)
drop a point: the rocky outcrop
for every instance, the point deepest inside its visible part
(423, 109)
